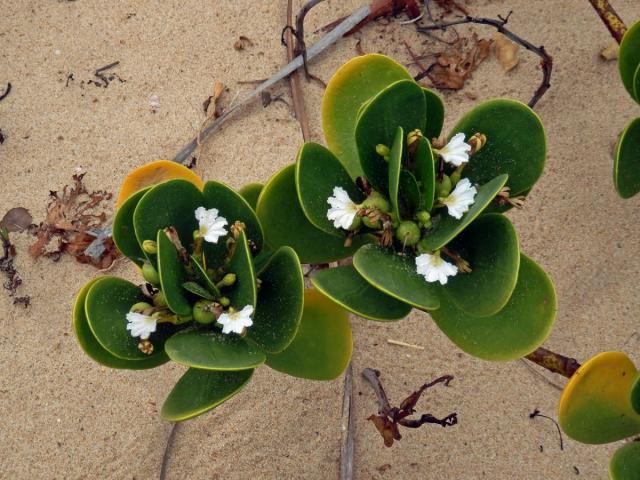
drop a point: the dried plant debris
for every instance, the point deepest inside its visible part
(16, 219)
(73, 226)
(506, 51)
(211, 106)
(242, 42)
(6, 92)
(104, 79)
(13, 280)
(389, 418)
(610, 52)
(456, 64)
(451, 6)
(536, 413)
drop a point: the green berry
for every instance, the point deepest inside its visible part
(201, 313)
(224, 301)
(423, 216)
(150, 274)
(376, 200)
(408, 233)
(443, 188)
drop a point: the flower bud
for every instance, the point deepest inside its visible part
(159, 300)
(414, 136)
(140, 307)
(150, 274)
(357, 221)
(443, 187)
(228, 280)
(202, 312)
(150, 247)
(382, 150)
(224, 301)
(408, 233)
(423, 216)
(477, 141)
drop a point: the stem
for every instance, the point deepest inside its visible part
(554, 362)
(610, 18)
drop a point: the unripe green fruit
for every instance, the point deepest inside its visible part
(150, 274)
(443, 188)
(140, 307)
(159, 300)
(201, 314)
(408, 233)
(455, 176)
(423, 217)
(376, 200)
(366, 221)
(224, 301)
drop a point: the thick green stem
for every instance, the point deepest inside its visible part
(610, 18)
(554, 362)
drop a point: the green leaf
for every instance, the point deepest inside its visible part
(636, 84)
(244, 292)
(357, 81)
(321, 349)
(318, 171)
(198, 391)
(212, 350)
(280, 302)
(108, 301)
(169, 204)
(396, 275)
(172, 276)
(515, 143)
(449, 227)
(124, 234)
(93, 348)
(626, 167)
(198, 290)
(516, 330)
(348, 289)
(625, 462)
(202, 274)
(629, 58)
(250, 192)
(635, 394)
(435, 115)
(490, 245)
(402, 104)
(425, 173)
(409, 194)
(395, 166)
(285, 223)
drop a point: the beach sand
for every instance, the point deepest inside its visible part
(63, 416)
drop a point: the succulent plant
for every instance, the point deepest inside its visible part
(214, 299)
(421, 217)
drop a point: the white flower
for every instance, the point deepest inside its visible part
(343, 210)
(456, 152)
(236, 322)
(461, 198)
(140, 325)
(434, 268)
(210, 224)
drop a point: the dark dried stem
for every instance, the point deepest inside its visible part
(301, 47)
(610, 18)
(554, 362)
(347, 446)
(373, 376)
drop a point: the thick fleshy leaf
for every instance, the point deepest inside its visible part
(435, 114)
(636, 84)
(516, 330)
(626, 167)
(396, 275)
(595, 406)
(424, 168)
(212, 350)
(490, 245)
(408, 195)
(169, 204)
(449, 227)
(629, 58)
(244, 292)
(402, 104)
(124, 233)
(625, 462)
(318, 172)
(347, 288)
(395, 167)
(198, 290)
(635, 394)
(280, 302)
(285, 223)
(515, 143)
(172, 275)
(203, 276)
(355, 82)
(198, 391)
(108, 301)
(92, 347)
(321, 349)
(250, 192)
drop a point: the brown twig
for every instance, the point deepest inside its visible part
(347, 444)
(610, 18)
(554, 362)
(546, 62)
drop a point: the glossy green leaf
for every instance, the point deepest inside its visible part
(250, 192)
(321, 349)
(515, 143)
(425, 173)
(318, 172)
(435, 115)
(516, 330)
(172, 275)
(203, 276)
(285, 223)
(449, 227)
(124, 234)
(355, 82)
(626, 167)
(169, 204)
(395, 167)
(408, 195)
(625, 462)
(396, 275)
(261, 260)
(244, 291)
(108, 301)
(212, 350)
(198, 391)
(635, 394)
(347, 288)
(636, 84)
(629, 58)
(198, 290)
(490, 245)
(400, 105)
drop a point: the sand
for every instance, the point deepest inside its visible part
(63, 416)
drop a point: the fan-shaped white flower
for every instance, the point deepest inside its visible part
(462, 197)
(211, 226)
(236, 322)
(140, 325)
(434, 269)
(343, 210)
(456, 152)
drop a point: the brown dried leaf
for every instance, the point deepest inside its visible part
(387, 429)
(610, 52)
(211, 105)
(506, 51)
(16, 220)
(456, 64)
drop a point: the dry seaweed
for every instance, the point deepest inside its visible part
(13, 280)
(454, 66)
